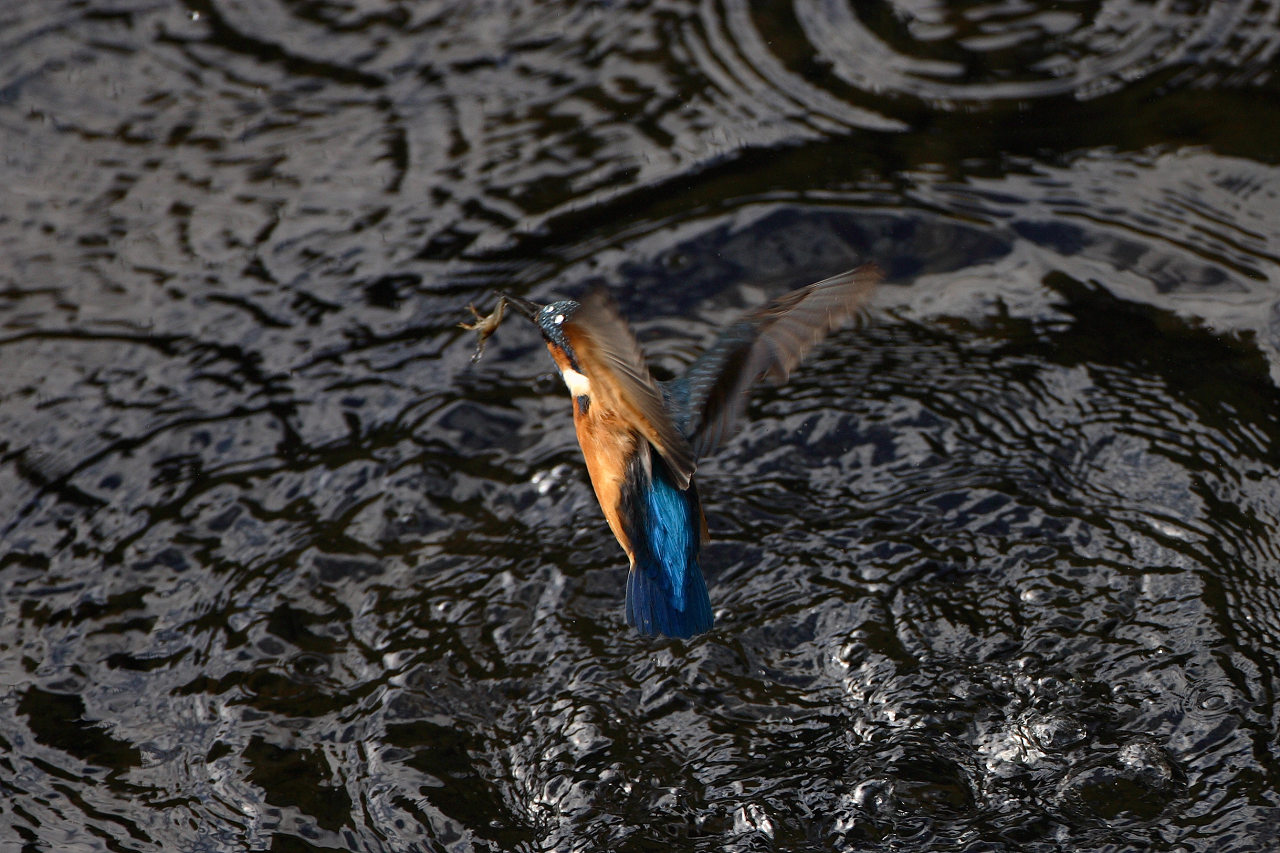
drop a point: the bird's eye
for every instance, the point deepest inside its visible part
(558, 319)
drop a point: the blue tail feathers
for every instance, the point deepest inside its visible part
(666, 593)
(654, 607)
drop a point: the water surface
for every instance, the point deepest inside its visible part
(281, 569)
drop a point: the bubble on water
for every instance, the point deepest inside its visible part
(1208, 698)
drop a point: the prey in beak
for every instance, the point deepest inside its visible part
(486, 324)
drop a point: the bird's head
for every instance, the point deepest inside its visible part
(552, 320)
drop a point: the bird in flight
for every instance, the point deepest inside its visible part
(641, 438)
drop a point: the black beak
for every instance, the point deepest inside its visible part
(527, 308)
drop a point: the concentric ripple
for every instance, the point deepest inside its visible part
(282, 567)
(954, 55)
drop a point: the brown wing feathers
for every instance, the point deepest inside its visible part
(620, 380)
(765, 344)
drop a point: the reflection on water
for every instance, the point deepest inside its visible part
(282, 570)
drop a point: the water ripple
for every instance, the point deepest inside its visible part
(981, 54)
(283, 568)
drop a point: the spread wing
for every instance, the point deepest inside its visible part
(620, 380)
(766, 344)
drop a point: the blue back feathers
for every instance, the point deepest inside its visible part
(666, 593)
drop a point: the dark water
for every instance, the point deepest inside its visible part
(283, 571)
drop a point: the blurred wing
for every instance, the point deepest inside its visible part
(615, 355)
(766, 344)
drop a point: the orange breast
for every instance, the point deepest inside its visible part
(607, 446)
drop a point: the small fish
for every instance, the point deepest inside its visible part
(484, 325)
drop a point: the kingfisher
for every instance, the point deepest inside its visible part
(641, 438)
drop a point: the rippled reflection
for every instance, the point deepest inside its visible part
(283, 569)
(950, 54)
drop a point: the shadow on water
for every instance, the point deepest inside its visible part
(281, 569)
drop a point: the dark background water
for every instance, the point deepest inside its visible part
(282, 570)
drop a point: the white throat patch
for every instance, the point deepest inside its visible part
(579, 385)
